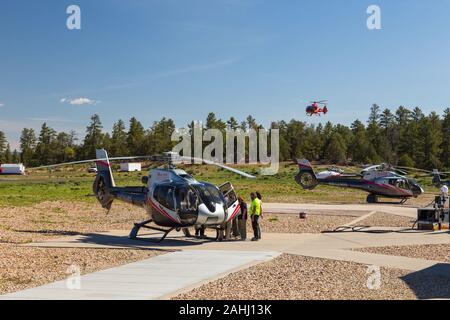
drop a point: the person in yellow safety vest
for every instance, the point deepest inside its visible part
(255, 213)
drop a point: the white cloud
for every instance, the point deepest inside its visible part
(79, 101)
(1, 104)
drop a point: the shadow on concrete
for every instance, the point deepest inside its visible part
(431, 233)
(51, 232)
(146, 240)
(430, 283)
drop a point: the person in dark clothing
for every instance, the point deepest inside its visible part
(187, 233)
(255, 213)
(200, 232)
(242, 219)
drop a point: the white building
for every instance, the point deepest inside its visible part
(12, 168)
(129, 167)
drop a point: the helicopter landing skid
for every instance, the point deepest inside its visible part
(145, 224)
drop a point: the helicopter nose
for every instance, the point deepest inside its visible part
(206, 217)
(418, 188)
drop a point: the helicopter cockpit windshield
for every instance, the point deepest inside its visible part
(209, 195)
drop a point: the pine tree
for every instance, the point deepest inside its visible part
(251, 123)
(414, 139)
(45, 150)
(406, 161)
(430, 128)
(445, 146)
(387, 137)
(8, 154)
(135, 138)
(65, 150)
(358, 147)
(15, 156)
(3, 144)
(294, 134)
(27, 146)
(336, 150)
(232, 124)
(94, 137)
(119, 140)
(213, 123)
(159, 136)
(373, 130)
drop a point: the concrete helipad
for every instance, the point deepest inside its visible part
(400, 210)
(154, 278)
(199, 261)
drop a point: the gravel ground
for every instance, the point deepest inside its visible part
(291, 223)
(59, 218)
(298, 278)
(381, 219)
(438, 252)
(23, 267)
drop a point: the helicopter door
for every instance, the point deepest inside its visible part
(231, 200)
(165, 206)
(186, 201)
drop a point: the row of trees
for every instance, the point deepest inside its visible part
(6, 155)
(50, 147)
(404, 137)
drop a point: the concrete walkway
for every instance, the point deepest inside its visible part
(337, 246)
(153, 278)
(400, 210)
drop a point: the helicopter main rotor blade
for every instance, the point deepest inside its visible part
(400, 171)
(173, 156)
(89, 161)
(190, 159)
(413, 169)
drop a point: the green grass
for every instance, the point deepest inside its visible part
(77, 186)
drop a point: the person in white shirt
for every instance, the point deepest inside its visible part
(444, 190)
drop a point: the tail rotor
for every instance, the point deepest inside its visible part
(104, 180)
(306, 177)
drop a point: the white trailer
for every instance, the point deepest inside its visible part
(130, 167)
(13, 169)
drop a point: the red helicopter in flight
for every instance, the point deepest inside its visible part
(316, 108)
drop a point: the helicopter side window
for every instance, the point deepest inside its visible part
(398, 183)
(393, 182)
(402, 184)
(164, 196)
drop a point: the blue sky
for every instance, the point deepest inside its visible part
(184, 58)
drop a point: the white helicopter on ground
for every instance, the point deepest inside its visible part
(172, 198)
